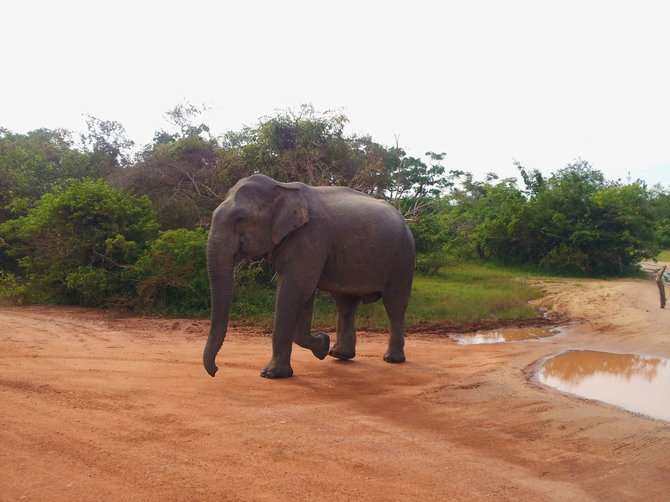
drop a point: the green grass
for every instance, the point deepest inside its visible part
(459, 293)
(470, 292)
(664, 255)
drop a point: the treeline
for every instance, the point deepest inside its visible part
(573, 222)
(88, 220)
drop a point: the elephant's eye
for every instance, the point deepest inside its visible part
(237, 224)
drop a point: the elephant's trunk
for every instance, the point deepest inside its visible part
(220, 265)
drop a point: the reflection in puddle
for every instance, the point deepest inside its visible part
(503, 335)
(637, 383)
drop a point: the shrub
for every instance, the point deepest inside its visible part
(12, 288)
(172, 274)
(78, 243)
(430, 263)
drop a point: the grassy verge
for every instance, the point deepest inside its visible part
(459, 293)
(664, 256)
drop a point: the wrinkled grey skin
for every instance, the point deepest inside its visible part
(330, 238)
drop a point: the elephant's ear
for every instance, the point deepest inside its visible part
(290, 212)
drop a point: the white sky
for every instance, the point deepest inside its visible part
(484, 81)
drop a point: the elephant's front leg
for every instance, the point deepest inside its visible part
(289, 308)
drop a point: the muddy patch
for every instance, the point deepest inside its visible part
(504, 335)
(637, 383)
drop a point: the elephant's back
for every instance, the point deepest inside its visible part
(363, 224)
(354, 208)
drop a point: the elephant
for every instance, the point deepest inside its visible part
(327, 238)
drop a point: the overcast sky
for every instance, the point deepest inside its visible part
(486, 82)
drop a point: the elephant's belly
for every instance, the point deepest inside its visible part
(367, 295)
(356, 283)
(362, 269)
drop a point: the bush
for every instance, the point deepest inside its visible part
(88, 285)
(172, 274)
(12, 289)
(430, 263)
(78, 243)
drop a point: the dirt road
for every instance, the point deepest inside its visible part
(96, 407)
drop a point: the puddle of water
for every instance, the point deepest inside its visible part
(503, 335)
(640, 384)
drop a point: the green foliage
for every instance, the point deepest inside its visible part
(182, 117)
(430, 263)
(580, 223)
(251, 273)
(573, 222)
(172, 279)
(182, 178)
(78, 243)
(106, 143)
(311, 147)
(660, 211)
(88, 285)
(253, 303)
(481, 219)
(12, 288)
(254, 292)
(533, 179)
(299, 146)
(31, 164)
(428, 230)
(172, 274)
(307, 146)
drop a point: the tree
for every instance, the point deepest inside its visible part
(181, 172)
(107, 144)
(312, 147)
(31, 164)
(413, 183)
(182, 117)
(187, 173)
(533, 179)
(580, 222)
(623, 228)
(78, 243)
(181, 177)
(660, 209)
(482, 219)
(302, 145)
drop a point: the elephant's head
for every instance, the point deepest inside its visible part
(257, 214)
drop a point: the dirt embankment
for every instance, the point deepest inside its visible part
(97, 407)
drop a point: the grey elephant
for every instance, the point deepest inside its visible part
(334, 239)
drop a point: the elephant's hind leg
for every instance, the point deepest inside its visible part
(345, 345)
(319, 342)
(396, 300)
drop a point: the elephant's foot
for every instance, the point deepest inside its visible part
(394, 357)
(274, 370)
(342, 353)
(321, 345)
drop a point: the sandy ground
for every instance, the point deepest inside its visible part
(98, 407)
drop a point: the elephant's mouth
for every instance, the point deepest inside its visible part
(274, 252)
